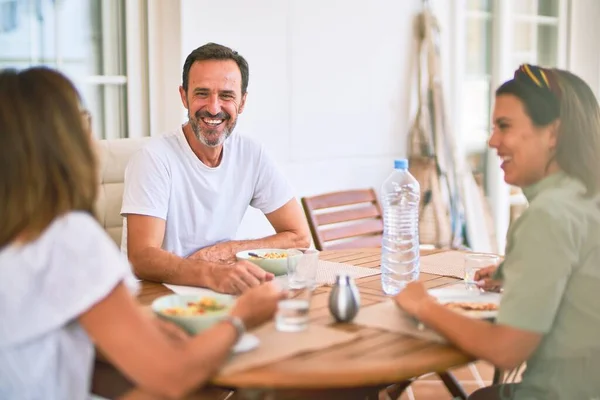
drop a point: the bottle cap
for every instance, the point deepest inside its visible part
(401, 163)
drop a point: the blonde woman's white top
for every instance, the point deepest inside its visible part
(45, 286)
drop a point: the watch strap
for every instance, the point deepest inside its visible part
(237, 323)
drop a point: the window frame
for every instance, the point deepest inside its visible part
(124, 115)
(502, 69)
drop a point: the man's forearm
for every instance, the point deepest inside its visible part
(158, 265)
(282, 240)
(226, 250)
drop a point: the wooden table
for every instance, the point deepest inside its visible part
(358, 368)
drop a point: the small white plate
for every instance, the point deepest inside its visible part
(457, 293)
(192, 290)
(246, 343)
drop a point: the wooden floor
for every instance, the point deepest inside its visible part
(471, 378)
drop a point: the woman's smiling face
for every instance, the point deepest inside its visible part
(526, 150)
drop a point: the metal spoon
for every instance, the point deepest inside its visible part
(256, 255)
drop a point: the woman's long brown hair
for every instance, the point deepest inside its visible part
(47, 164)
(578, 148)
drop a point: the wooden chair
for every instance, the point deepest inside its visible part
(346, 219)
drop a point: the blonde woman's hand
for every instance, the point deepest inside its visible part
(484, 279)
(258, 304)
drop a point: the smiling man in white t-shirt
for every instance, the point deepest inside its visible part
(187, 191)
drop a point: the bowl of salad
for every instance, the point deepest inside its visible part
(193, 313)
(271, 260)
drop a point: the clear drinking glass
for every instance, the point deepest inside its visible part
(476, 261)
(293, 310)
(302, 268)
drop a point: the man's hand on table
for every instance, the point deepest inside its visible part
(237, 277)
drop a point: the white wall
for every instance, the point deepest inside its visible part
(329, 90)
(329, 83)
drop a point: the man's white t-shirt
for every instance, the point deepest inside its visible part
(201, 205)
(45, 285)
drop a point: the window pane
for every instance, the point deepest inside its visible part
(535, 44)
(479, 35)
(476, 160)
(479, 5)
(82, 38)
(525, 37)
(548, 8)
(548, 45)
(107, 104)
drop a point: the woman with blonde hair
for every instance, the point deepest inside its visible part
(547, 133)
(63, 283)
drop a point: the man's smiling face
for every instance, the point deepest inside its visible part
(213, 100)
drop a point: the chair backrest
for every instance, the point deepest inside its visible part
(347, 219)
(113, 158)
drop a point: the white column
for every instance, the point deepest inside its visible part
(136, 28)
(502, 70)
(583, 54)
(458, 71)
(164, 64)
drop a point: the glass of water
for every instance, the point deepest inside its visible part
(302, 268)
(476, 261)
(292, 311)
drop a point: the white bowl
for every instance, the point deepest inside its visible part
(196, 323)
(277, 266)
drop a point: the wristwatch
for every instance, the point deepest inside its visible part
(237, 323)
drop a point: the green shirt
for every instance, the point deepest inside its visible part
(551, 276)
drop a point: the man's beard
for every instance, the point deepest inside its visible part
(211, 137)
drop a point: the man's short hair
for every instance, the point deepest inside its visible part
(214, 51)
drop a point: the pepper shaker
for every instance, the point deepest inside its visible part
(344, 299)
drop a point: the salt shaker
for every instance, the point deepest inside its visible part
(344, 299)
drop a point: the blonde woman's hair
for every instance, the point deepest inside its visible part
(46, 156)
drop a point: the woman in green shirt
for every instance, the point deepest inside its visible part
(547, 133)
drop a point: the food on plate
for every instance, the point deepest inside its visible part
(471, 306)
(195, 308)
(272, 256)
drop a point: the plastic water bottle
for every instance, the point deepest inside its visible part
(400, 196)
